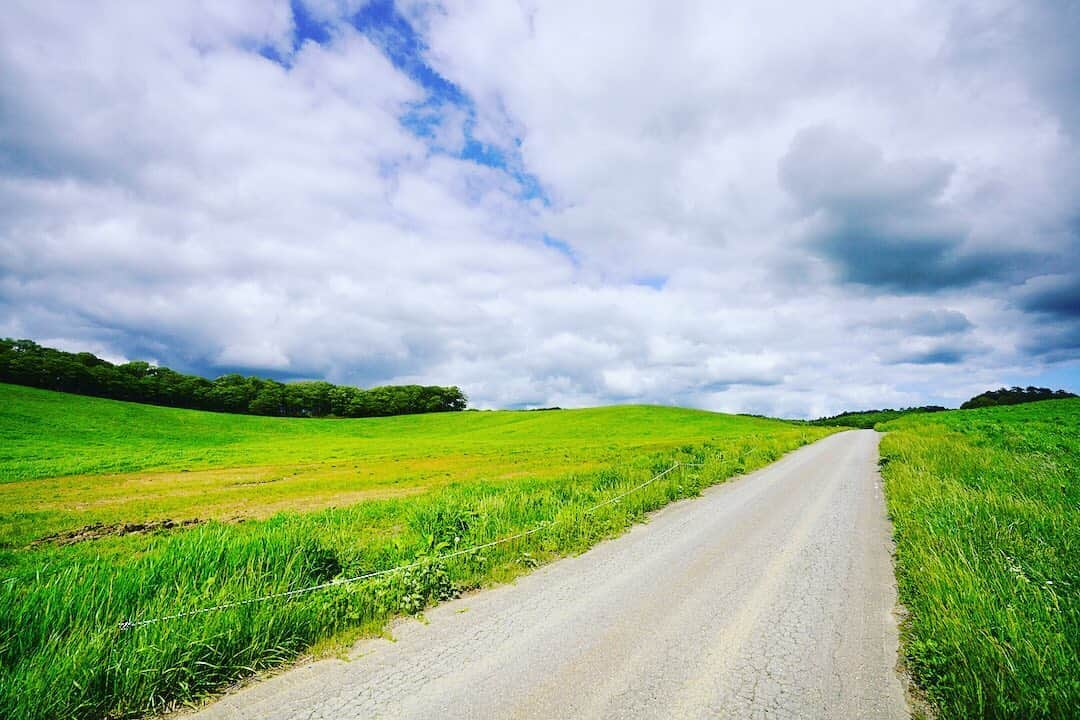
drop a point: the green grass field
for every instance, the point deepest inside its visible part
(986, 509)
(291, 503)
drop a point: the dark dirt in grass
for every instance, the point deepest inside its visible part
(97, 531)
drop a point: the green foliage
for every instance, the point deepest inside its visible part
(867, 419)
(1015, 396)
(986, 509)
(62, 650)
(24, 362)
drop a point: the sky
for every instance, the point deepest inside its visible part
(781, 208)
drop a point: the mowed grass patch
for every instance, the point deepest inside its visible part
(438, 483)
(986, 509)
(67, 461)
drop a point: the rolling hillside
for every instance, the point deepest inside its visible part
(115, 512)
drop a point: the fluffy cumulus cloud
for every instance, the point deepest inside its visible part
(758, 207)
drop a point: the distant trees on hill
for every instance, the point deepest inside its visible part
(24, 362)
(868, 418)
(1015, 396)
(1004, 396)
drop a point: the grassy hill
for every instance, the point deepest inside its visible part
(69, 461)
(986, 511)
(86, 486)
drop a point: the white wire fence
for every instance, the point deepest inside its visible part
(338, 582)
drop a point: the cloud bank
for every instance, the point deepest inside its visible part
(750, 207)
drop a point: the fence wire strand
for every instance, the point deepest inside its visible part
(131, 624)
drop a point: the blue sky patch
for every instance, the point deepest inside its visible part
(307, 27)
(563, 248)
(398, 40)
(656, 282)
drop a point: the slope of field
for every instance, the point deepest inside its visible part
(986, 509)
(322, 500)
(68, 461)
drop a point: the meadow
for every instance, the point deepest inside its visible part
(278, 504)
(986, 512)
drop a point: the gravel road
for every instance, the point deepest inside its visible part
(770, 596)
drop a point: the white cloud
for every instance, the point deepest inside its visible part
(168, 191)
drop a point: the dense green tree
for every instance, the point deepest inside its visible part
(269, 400)
(1015, 396)
(24, 362)
(870, 418)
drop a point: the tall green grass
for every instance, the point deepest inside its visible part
(64, 654)
(68, 461)
(986, 510)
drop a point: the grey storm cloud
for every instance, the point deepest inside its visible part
(881, 222)
(1053, 303)
(928, 323)
(827, 167)
(1057, 295)
(941, 355)
(725, 205)
(1054, 343)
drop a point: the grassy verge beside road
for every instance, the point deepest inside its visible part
(434, 484)
(986, 509)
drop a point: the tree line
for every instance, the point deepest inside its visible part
(1015, 396)
(24, 362)
(1004, 396)
(869, 418)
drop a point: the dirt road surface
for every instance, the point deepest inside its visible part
(769, 597)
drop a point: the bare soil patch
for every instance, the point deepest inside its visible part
(96, 531)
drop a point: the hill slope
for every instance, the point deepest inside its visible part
(67, 461)
(323, 500)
